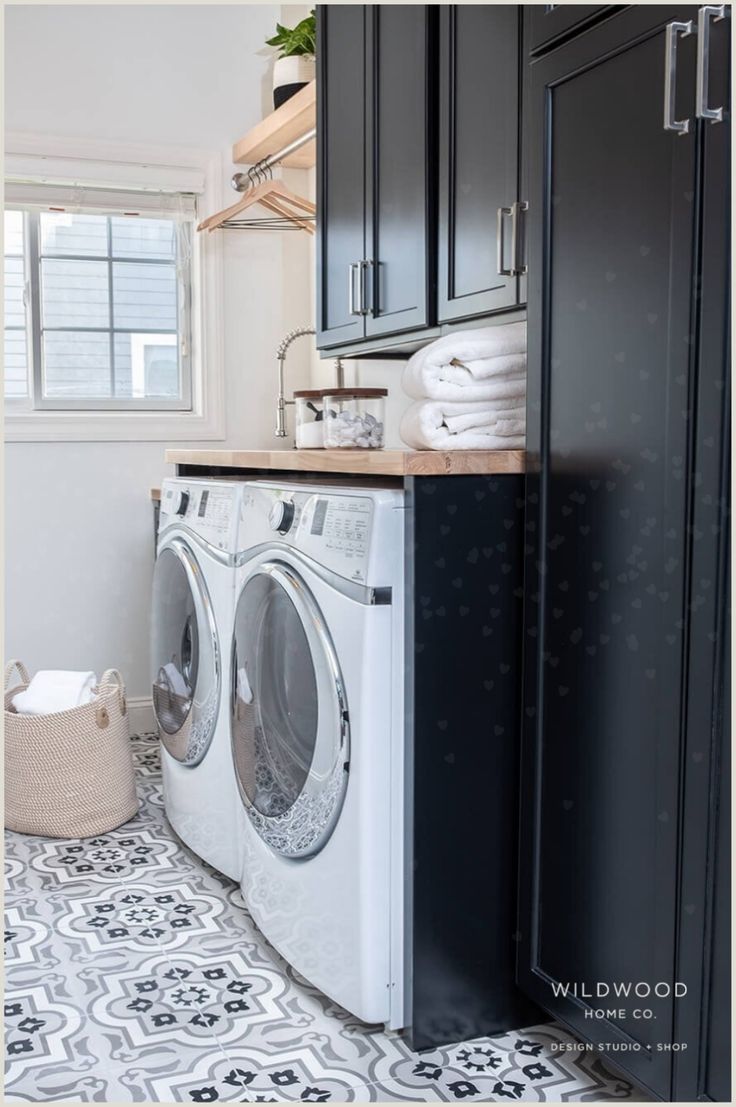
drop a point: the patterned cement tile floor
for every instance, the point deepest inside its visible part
(134, 972)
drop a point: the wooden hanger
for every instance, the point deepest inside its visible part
(273, 195)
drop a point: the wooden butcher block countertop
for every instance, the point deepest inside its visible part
(384, 463)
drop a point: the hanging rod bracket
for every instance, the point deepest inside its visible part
(241, 181)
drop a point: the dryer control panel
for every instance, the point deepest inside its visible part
(334, 529)
(208, 509)
(339, 527)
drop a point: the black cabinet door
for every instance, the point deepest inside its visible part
(611, 373)
(703, 1019)
(400, 127)
(715, 1071)
(478, 156)
(340, 172)
(549, 22)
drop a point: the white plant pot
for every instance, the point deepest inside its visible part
(291, 74)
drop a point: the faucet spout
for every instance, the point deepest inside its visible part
(281, 402)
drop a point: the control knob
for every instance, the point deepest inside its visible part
(281, 515)
(182, 504)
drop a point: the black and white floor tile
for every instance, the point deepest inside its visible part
(134, 973)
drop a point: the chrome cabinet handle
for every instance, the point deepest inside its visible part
(364, 309)
(519, 270)
(681, 126)
(714, 13)
(352, 269)
(499, 243)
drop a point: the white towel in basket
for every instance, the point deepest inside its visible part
(55, 690)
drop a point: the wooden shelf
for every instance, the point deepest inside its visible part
(288, 123)
(397, 463)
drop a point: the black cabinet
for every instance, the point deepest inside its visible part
(463, 690)
(479, 209)
(400, 129)
(340, 171)
(625, 531)
(420, 217)
(703, 1071)
(376, 152)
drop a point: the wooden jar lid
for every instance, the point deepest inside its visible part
(355, 393)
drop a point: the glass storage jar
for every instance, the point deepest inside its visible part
(354, 418)
(308, 433)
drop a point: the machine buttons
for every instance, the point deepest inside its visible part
(281, 516)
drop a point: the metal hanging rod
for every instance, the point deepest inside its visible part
(266, 224)
(242, 181)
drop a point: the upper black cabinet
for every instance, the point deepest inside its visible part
(340, 171)
(420, 219)
(400, 131)
(479, 212)
(625, 541)
(376, 150)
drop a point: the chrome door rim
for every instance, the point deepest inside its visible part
(203, 720)
(305, 828)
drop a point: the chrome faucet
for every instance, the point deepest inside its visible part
(281, 402)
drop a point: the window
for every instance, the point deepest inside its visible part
(98, 300)
(113, 301)
(16, 335)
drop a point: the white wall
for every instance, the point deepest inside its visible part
(78, 515)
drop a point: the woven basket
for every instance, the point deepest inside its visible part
(69, 774)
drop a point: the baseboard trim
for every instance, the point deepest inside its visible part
(142, 718)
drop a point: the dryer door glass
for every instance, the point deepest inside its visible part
(289, 716)
(185, 656)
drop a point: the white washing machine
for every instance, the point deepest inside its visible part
(317, 722)
(191, 630)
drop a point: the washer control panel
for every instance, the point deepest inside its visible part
(332, 528)
(207, 509)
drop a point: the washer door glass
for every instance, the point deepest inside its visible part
(185, 655)
(289, 716)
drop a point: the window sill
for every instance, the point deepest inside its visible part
(112, 426)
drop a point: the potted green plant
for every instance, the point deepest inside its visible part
(295, 65)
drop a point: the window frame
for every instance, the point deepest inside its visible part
(20, 401)
(200, 413)
(36, 400)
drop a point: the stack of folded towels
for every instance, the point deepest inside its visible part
(470, 389)
(54, 690)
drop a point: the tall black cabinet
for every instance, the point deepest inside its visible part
(625, 543)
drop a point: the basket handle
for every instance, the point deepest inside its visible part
(15, 664)
(111, 678)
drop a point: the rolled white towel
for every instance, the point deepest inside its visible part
(484, 364)
(438, 425)
(54, 690)
(503, 420)
(435, 384)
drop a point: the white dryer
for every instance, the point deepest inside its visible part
(317, 722)
(191, 628)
